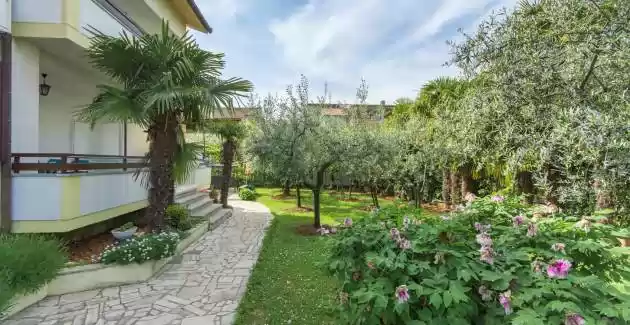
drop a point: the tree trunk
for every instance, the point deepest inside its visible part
(228, 158)
(374, 193)
(299, 197)
(163, 145)
(603, 197)
(553, 178)
(286, 189)
(468, 184)
(526, 185)
(316, 215)
(455, 188)
(350, 190)
(319, 183)
(446, 186)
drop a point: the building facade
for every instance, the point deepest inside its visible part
(59, 174)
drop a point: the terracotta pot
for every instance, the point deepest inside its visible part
(625, 242)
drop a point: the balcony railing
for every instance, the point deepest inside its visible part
(68, 163)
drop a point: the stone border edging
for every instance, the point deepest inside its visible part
(97, 276)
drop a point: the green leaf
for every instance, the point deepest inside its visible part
(447, 299)
(527, 317)
(415, 322)
(380, 303)
(458, 292)
(435, 299)
(490, 276)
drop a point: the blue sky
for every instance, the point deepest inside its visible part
(396, 45)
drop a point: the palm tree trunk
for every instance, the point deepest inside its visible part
(162, 148)
(467, 179)
(228, 159)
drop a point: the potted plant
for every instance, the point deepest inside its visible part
(214, 195)
(125, 231)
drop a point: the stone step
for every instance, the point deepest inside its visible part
(219, 217)
(206, 211)
(191, 199)
(183, 191)
(199, 205)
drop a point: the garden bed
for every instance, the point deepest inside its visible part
(77, 278)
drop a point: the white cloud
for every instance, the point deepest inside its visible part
(396, 45)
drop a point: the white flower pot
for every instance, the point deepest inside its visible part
(124, 235)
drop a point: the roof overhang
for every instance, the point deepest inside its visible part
(192, 15)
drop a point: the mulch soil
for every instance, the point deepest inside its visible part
(83, 250)
(436, 207)
(352, 199)
(296, 209)
(309, 230)
(283, 197)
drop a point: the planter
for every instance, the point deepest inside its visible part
(625, 241)
(96, 276)
(125, 234)
(22, 302)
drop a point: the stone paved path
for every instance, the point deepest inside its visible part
(203, 287)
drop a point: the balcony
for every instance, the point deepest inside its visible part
(71, 20)
(60, 192)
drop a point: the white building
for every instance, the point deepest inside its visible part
(38, 132)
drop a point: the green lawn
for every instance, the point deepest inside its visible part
(288, 284)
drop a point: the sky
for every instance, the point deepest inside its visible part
(395, 45)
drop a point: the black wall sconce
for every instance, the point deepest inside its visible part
(44, 88)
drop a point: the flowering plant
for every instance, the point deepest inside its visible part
(141, 249)
(481, 266)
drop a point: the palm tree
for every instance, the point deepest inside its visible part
(162, 81)
(230, 131)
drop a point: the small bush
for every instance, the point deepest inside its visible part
(178, 217)
(493, 263)
(141, 249)
(247, 194)
(26, 263)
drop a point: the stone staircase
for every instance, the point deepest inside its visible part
(199, 204)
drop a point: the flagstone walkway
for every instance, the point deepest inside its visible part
(201, 287)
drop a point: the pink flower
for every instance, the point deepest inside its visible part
(487, 254)
(558, 247)
(439, 257)
(518, 220)
(469, 197)
(574, 319)
(497, 198)
(343, 297)
(395, 233)
(404, 244)
(486, 295)
(484, 239)
(532, 230)
(559, 269)
(584, 224)
(482, 228)
(505, 299)
(371, 265)
(402, 294)
(537, 266)
(347, 222)
(406, 221)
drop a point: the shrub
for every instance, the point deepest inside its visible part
(178, 217)
(141, 249)
(247, 194)
(26, 263)
(490, 264)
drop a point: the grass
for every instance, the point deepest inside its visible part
(289, 284)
